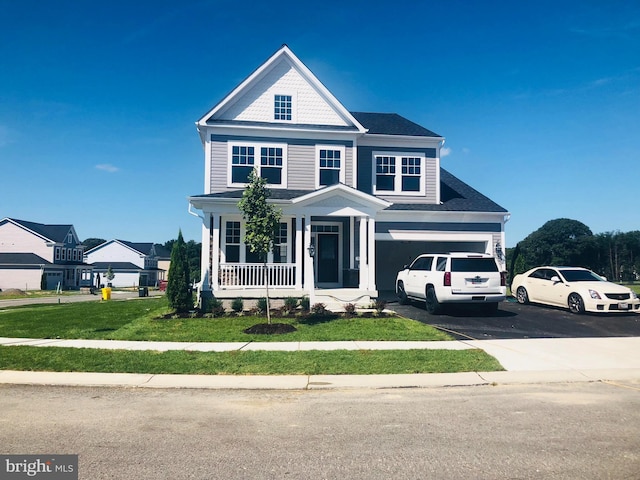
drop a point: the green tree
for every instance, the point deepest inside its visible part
(558, 242)
(109, 275)
(262, 221)
(90, 243)
(178, 285)
(194, 255)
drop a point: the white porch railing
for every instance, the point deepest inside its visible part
(250, 275)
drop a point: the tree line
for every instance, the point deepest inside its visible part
(614, 255)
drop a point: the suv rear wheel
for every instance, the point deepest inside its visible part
(432, 304)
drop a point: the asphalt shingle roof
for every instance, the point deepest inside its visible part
(22, 259)
(57, 233)
(391, 124)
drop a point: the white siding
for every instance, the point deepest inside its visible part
(22, 279)
(14, 239)
(115, 252)
(256, 104)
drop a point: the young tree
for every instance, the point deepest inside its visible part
(109, 275)
(262, 220)
(178, 287)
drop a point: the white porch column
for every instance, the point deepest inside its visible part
(371, 254)
(215, 248)
(206, 248)
(300, 253)
(364, 262)
(309, 283)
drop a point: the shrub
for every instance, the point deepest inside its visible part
(262, 305)
(319, 309)
(217, 307)
(304, 303)
(380, 305)
(290, 304)
(237, 305)
(350, 309)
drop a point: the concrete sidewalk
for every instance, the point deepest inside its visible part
(525, 361)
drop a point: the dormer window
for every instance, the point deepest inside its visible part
(283, 107)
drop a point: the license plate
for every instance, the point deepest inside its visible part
(623, 306)
(476, 280)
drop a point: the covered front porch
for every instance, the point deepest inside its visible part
(325, 248)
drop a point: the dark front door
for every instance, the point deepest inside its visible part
(327, 245)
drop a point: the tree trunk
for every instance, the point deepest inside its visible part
(266, 283)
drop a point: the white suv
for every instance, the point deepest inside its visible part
(444, 278)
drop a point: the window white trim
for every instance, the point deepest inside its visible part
(294, 105)
(340, 148)
(398, 174)
(257, 146)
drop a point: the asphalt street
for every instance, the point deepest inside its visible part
(515, 321)
(550, 431)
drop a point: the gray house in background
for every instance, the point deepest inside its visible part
(361, 194)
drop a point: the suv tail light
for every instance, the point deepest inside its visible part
(447, 279)
(503, 279)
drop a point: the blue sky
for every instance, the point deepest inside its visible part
(539, 102)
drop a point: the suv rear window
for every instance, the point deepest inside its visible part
(473, 265)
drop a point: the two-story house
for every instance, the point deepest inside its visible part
(361, 194)
(31, 252)
(134, 264)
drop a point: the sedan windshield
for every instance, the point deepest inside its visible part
(580, 276)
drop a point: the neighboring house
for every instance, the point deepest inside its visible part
(133, 264)
(28, 250)
(164, 260)
(361, 194)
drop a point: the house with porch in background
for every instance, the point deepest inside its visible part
(31, 252)
(361, 194)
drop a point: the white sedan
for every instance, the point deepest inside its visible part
(577, 288)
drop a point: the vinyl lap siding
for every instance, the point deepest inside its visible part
(219, 160)
(301, 167)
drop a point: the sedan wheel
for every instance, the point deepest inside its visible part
(402, 294)
(432, 304)
(576, 305)
(522, 296)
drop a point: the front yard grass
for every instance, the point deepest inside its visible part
(141, 320)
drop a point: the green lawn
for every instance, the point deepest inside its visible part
(139, 320)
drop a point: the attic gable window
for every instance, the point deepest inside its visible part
(283, 107)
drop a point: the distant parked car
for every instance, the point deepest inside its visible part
(452, 278)
(578, 289)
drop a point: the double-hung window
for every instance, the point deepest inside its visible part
(283, 107)
(268, 160)
(280, 244)
(330, 165)
(399, 174)
(232, 242)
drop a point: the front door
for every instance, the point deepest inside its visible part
(327, 259)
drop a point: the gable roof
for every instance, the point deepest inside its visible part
(391, 124)
(53, 233)
(143, 248)
(283, 54)
(22, 259)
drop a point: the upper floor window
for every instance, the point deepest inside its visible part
(399, 174)
(57, 253)
(330, 162)
(269, 161)
(283, 107)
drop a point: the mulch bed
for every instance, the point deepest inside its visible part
(273, 329)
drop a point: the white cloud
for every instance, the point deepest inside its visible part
(107, 167)
(445, 152)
